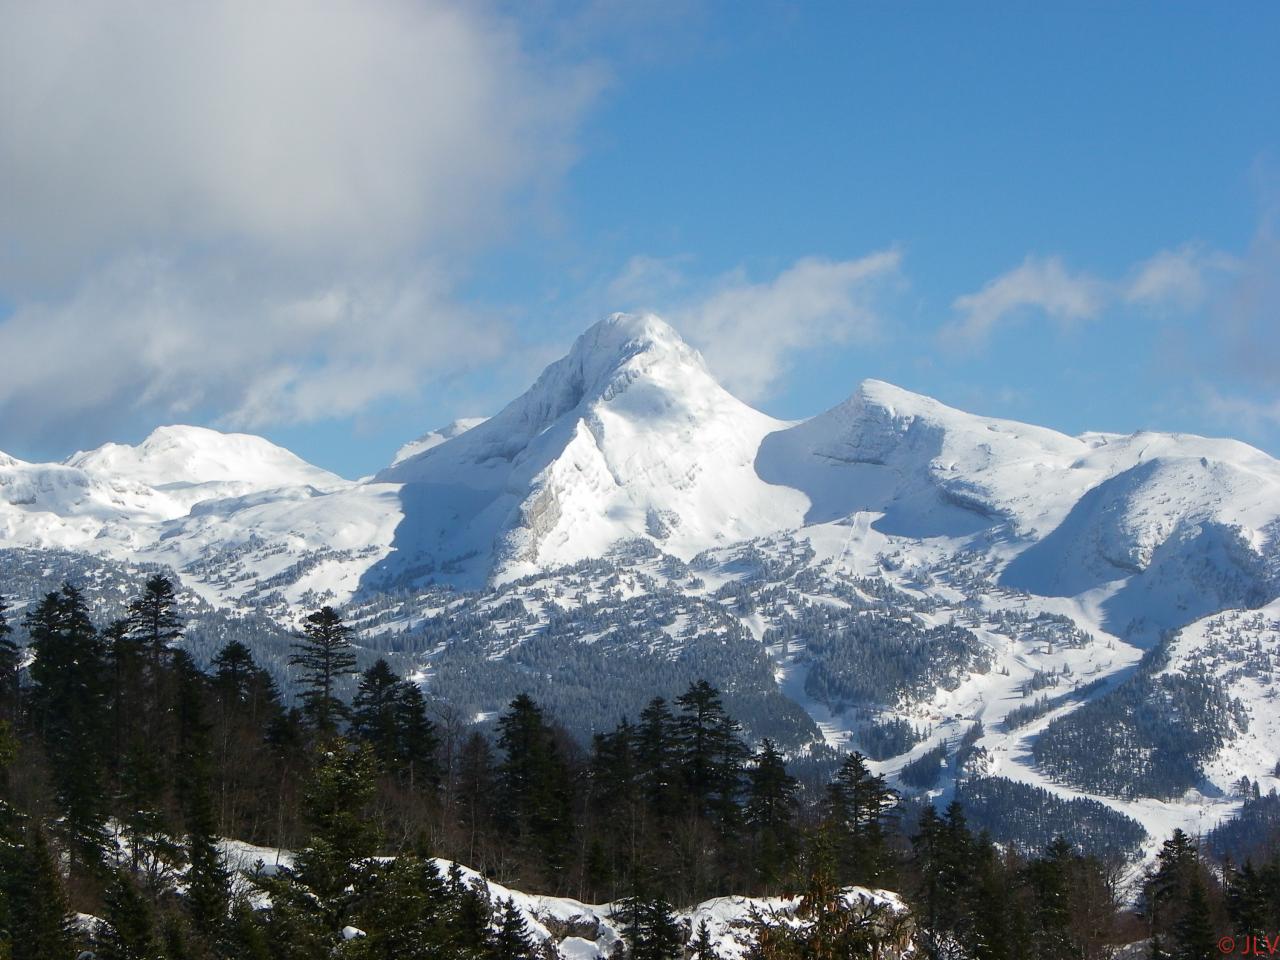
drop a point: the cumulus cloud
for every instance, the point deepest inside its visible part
(192, 189)
(181, 341)
(751, 332)
(1043, 284)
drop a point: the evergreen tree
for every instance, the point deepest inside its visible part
(417, 741)
(1167, 890)
(390, 714)
(323, 655)
(69, 701)
(235, 674)
(650, 928)
(473, 794)
(10, 666)
(468, 916)
(859, 804)
(341, 787)
(1248, 901)
(373, 713)
(1049, 879)
(39, 921)
(830, 928)
(320, 894)
(1193, 937)
(511, 939)
(154, 620)
(533, 783)
(703, 948)
(711, 753)
(208, 884)
(130, 932)
(658, 758)
(772, 803)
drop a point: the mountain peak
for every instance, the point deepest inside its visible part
(182, 454)
(614, 342)
(605, 361)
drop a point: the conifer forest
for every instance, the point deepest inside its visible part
(132, 783)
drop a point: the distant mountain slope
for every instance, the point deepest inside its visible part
(433, 438)
(944, 589)
(630, 437)
(177, 455)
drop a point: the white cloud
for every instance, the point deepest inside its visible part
(1249, 414)
(147, 335)
(750, 333)
(1038, 283)
(1176, 279)
(191, 190)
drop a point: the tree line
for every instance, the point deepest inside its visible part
(122, 765)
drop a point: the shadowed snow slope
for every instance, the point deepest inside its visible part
(436, 437)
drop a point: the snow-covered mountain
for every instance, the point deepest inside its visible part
(628, 436)
(180, 456)
(626, 506)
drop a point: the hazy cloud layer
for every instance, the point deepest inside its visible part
(1171, 280)
(752, 332)
(193, 189)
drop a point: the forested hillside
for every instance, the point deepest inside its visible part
(125, 765)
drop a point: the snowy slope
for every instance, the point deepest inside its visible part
(630, 437)
(930, 469)
(433, 438)
(627, 436)
(573, 930)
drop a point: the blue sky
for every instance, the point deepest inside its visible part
(1065, 214)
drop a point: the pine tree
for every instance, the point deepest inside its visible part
(10, 666)
(208, 883)
(533, 784)
(40, 924)
(650, 928)
(703, 948)
(1049, 878)
(474, 791)
(1193, 937)
(1168, 886)
(468, 915)
(130, 932)
(154, 620)
(69, 703)
(1247, 901)
(417, 742)
(859, 804)
(712, 754)
(323, 655)
(373, 713)
(511, 940)
(772, 803)
(658, 758)
(342, 834)
(390, 714)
